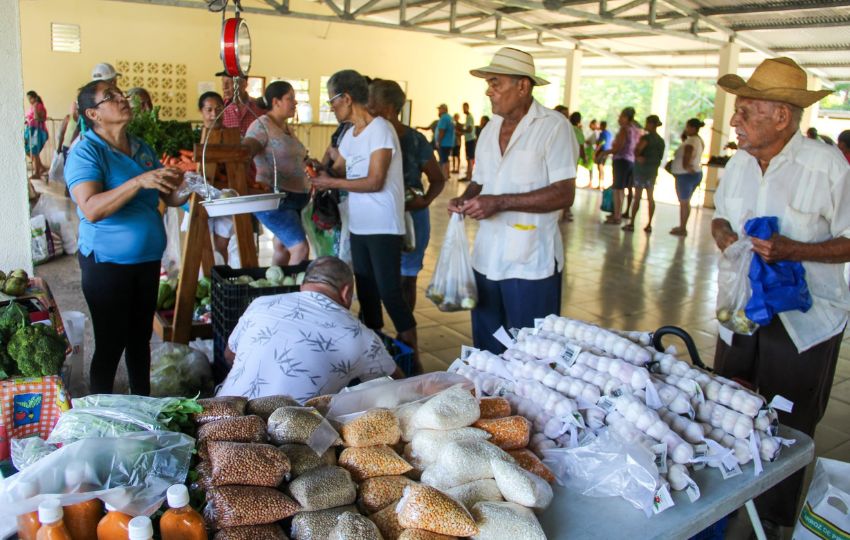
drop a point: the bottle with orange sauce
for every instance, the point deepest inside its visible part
(28, 523)
(181, 521)
(82, 518)
(114, 525)
(50, 516)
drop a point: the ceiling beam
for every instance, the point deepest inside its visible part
(625, 7)
(745, 8)
(787, 23)
(424, 15)
(365, 7)
(814, 48)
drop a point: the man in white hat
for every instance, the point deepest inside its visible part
(806, 184)
(525, 168)
(105, 72)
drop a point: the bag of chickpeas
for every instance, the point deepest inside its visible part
(372, 461)
(247, 464)
(377, 426)
(424, 507)
(236, 506)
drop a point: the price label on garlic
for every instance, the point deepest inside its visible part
(755, 451)
(692, 491)
(660, 451)
(456, 365)
(781, 404)
(466, 351)
(504, 338)
(606, 404)
(728, 472)
(568, 358)
(698, 396)
(700, 451)
(662, 500)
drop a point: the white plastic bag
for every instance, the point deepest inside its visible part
(826, 512)
(734, 288)
(57, 168)
(42, 243)
(172, 256)
(178, 370)
(73, 370)
(453, 286)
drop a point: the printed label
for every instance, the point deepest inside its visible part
(692, 491)
(660, 451)
(653, 400)
(729, 472)
(606, 404)
(26, 409)
(662, 500)
(781, 404)
(466, 351)
(502, 337)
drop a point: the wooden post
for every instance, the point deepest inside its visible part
(197, 242)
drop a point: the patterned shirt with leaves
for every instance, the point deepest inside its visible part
(302, 344)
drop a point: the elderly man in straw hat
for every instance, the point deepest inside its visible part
(524, 175)
(806, 184)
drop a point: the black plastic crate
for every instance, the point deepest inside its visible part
(229, 300)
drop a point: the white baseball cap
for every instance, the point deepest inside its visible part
(104, 72)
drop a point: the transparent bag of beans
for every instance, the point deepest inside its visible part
(220, 407)
(372, 461)
(302, 425)
(377, 426)
(350, 526)
(266, 405)
(323, 488)
(247, 464)
(508, 433)
(317, 524)
(505, 520)
(424, 507)
(236, 506)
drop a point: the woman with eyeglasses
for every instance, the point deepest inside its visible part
(117, 183)
(273, 144)
(369, 168)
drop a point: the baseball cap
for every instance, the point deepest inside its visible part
(104, 72)
(654, 119)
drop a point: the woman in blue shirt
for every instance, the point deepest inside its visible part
(117, 183)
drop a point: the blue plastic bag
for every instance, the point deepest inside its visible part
(607, 200)
(777, 287)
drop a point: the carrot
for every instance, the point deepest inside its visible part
(187, 154)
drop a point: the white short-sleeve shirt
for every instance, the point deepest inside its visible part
(304, 345)
(807, 186)
(542, 150)
(381, 212)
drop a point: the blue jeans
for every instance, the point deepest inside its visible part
(411, 263)
(285, 222)
(686, 184)
(512, 303)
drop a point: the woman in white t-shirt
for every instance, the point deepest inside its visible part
(687, 169)
(369, 168)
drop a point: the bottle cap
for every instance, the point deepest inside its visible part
(178, 496)
(27, 490)
(49, 511)
(109, 507)
(140, 528)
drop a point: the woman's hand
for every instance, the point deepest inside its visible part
(323, 181)
(164, 180)
(418, 202)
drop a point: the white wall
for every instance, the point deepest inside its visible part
(14, 204)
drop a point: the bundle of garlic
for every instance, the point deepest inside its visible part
(569, 386)
(634, 376)
(601, 338)
(649, 422)
(606, 383)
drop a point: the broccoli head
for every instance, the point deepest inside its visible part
(12, 317)
(38, 350)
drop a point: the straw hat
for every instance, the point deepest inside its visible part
(509, 61)
(775, 79)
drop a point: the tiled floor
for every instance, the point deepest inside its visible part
(623, 280)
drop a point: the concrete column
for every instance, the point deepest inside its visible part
(810, 114)
(572, 79)
(14, 204)
(660, 100)
(724, 105)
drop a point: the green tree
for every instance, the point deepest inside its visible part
(603, 99)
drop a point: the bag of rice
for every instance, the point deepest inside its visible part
(247, 429)
(350, 526)
(380, 491)
(220, 407)
(376, 426)
(474, 492)
(247, 464)
(302, 458)
(529, 461)
(452, 408)
(424, 507)
(419, 534)
(461, 462)
(317, 524)
(265, 406)
(371, 461)
(302, 425)
(405, 415)
(494, 407)
(251, 532)
(427, 444)
(235, 506)
(520, 486)
(387, 521)
(323, 488)
(418, 465)
(506, 521)
(508, 433)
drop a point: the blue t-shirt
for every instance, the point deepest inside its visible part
(135, 233)
(606, 139)
(448, 126)
(415, 153)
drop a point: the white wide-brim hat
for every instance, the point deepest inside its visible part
(510, 61)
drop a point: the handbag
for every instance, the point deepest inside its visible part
(607, 200)
(326, 210)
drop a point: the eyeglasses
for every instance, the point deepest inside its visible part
(331, 101)
(110, 96)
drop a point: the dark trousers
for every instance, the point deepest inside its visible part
(122, 301)
(770, 362)
(377, 272)
(512, 303)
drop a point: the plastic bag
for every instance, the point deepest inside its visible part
(323, 488)
(323, 242)
(373, 461)
(506, 520)
(427, 444)
(453, 286)
(78, 424)
(825, 512)
(520, 486)
(461, 462)
(265, 406)
(409, 244)
(380, 491)
(220, 407)
(302, 458)
(378, 426)
(508, 433)
(424, 507)
(350, 525)
(607, 467)
(776, 287)
(471, 493)
(734, 289)
(245, 429)
(251, 532)
(27, 451)
(57, 168)
(247, 464)
(391, 394)
(195, 183)
(172, 256)
(452, 408)
(607, 204)
(41, 243)
(235, 506)
(179, 370)
(302, 425)
(131, 473)
(62, 220)
(316, 524)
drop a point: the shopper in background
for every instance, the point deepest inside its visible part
(386, 98)
(140, 99)
(623, 149)
(469, 137)
(795, 355)
(445, 137)
(481, 124)
(270, 358)
(67, 130)
(844, 144)
(688, 172)
(456, 147)
(591, 135)
(35, 133)
(603, 149)
(118, 183)
(516, 194)
(370, 169)
(240, 109)
(273, 143)
(648, 156)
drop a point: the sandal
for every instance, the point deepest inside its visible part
(678, 231)
(647, 229)
(628, 227)
(613, 221)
